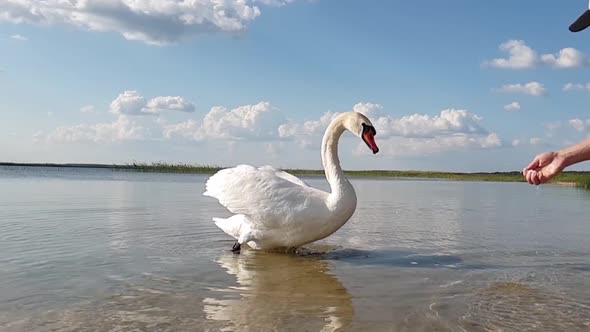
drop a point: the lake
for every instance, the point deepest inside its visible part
(98, 250)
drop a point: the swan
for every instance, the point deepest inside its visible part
(273, 209)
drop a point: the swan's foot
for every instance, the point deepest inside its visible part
(236, 248)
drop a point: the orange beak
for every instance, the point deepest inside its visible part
(369, 138)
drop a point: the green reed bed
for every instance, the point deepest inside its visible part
(579, 179)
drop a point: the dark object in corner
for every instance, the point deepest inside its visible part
(581, 23)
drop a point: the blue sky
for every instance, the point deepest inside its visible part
(258, 82)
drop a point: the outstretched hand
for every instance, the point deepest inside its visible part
(543, 168)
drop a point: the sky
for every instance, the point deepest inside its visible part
(455, 85)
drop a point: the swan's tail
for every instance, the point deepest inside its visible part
(232, 226)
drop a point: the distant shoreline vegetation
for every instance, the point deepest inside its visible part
(579, 179)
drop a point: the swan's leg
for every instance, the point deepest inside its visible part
(236, 248)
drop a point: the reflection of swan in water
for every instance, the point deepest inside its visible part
(280, 293)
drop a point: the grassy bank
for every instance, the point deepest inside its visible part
(579, 179)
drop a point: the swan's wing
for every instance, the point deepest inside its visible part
(260, 193)
(284, 175)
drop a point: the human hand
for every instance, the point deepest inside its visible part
(543, 168)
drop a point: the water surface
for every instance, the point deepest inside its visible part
(97, 250)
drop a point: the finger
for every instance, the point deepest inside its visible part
(534, 164)
(531, 176)
(536, 178)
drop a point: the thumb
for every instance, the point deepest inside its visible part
(534, 164)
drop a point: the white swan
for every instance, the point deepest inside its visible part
(274, 209)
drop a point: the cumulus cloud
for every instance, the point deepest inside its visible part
(558, 134)
(122, 129)
(566, 58)
(306, 133)
(448, 122)
(532, 88)
(451, 129)
(133, 103)
(411, 134)
(576, 87)
(521, 56)
(512, 107)
(371, 110)
(129, 103)
(256, 122)
(19, 37)
(152, 22)
(165, 104)
(416, 146)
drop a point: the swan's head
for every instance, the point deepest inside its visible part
(362, 127)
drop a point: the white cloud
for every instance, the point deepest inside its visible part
(370, 110)
(402, 146)
(122, 129)
(512, 107)
(418, 134)
(516, 142)
(129, 103)
(189, 129)
(152, 22)
(531, 88)
(448, 122)
(19, 37)
(306, 133)
(133, 103)
(50, 113)
(577, 124)
(566, 58)
(559, 134)
(576, 87)
(451, 129)
(254, 122)
(580, 125)
(408, 135)
(87, 109)
(165, 104)
(521, 56)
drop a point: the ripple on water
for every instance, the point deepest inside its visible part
(508, 306)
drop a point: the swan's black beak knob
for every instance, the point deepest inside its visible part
(368, 137)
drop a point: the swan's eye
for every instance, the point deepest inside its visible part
(367, 129)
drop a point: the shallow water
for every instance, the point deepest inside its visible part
(96, 250)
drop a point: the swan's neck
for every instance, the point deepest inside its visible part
(334, 174)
